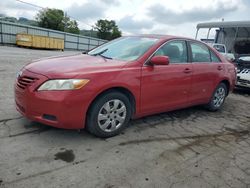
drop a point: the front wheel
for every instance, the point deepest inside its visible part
(218, 97)
(109, 115)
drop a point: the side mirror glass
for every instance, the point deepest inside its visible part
(160, 60)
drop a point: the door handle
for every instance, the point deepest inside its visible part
(219, 68)
(187, 70)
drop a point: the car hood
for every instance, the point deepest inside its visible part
(73, 66)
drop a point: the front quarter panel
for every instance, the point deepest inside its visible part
(127, 78)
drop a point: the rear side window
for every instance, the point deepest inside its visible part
(214, 57)
(175, 50)
(200, 53)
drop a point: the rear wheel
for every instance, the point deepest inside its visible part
(218, 97)
(109, 114)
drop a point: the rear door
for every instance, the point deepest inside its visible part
(207, 71)
(166, 87)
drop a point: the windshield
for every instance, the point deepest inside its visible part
(124, 48)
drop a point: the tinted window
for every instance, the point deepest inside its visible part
(175, 50)
(200, 53)
(214, 57)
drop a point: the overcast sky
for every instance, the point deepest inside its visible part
(139, 16)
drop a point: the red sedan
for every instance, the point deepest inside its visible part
(129, 77)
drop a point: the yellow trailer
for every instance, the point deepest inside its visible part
(36, 41)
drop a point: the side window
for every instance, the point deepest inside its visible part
(200, 53)
(214, 57)
(175, 50)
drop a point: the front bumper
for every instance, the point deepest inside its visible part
(62, 109)
(243, 78)
(243, 83)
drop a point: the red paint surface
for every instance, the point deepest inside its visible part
(157, 88)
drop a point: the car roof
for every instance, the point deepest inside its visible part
(164, 37)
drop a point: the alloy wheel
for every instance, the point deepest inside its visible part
(112, 115)
(219, 97)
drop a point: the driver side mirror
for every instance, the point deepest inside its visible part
(160, 60)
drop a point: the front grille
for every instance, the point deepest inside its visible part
(245, 71)
(20, 107)
(244, 81)
(24, 81)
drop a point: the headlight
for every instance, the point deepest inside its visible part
(68, 84)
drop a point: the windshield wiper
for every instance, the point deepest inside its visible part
(100, 54)
(105, 56)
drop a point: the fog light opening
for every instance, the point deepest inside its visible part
(49, 117)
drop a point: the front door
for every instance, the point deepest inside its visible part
(166, 87)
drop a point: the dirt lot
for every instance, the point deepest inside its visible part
(185, 148)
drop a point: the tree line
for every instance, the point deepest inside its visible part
(58, 20)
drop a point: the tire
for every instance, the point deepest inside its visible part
(218, 98)
(109, 114)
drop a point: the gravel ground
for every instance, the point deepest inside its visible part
(184, 148)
